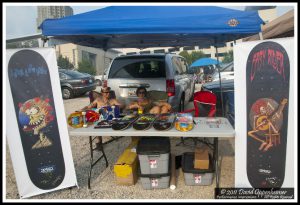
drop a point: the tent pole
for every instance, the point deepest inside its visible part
(220, 82)
(104, 50)
(104, 56)
(260, 36)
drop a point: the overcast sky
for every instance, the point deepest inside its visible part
(21, 20)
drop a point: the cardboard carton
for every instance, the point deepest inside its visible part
(126, 168)
(201, 158)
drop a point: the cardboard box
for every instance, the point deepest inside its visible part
(201, 158)
(126, 168)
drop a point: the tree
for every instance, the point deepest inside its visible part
(86, 66)
(63, 62)
(228, 57)
(190, 58)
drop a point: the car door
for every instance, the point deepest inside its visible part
(186, 79)
(180, 81)
(63, 79)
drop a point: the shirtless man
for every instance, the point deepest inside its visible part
(99, 102)
(103, 100)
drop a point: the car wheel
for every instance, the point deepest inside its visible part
(98, 82)
(181, 105)
(67, 93)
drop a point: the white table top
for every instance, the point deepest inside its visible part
(204, 127)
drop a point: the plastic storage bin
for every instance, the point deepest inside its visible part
(154, 155)
(194, 177)
(157, 181)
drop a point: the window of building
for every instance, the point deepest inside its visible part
(91, 57)
(186, 48)
(159, 51)
(172, 50)
(130, 53)
(144, 52)
(220, 54)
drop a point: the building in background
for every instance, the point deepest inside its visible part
(51, 12)
(99, 58)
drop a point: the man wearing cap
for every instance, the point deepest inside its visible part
(100, 101)
(103, 100)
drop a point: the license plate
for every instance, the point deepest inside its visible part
(131, 91)
(90, 81)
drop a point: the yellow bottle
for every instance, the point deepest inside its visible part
(140, 111)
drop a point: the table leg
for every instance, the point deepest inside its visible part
(216, 158)
(92, 163)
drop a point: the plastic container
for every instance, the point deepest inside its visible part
(154, 155)
(196, 177)
(184, 122)
(156, 181)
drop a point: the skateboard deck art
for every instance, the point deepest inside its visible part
(164, 121)
(144, 122)
(124, 123)
(184, 122)
(104, 124)
(109, 112)
(33, 101)
(267, 114)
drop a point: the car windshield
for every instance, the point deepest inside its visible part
(138, 67)
(227, 67)
(75, 74)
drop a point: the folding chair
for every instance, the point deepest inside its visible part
(204, 106)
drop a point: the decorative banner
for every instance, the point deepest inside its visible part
(37, 131)
(264, 95)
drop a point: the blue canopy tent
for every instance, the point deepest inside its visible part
(195, 66)
(204, 62)
(154, 26)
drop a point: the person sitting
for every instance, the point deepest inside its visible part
(146, 105)
(103, 100)
(100, 101)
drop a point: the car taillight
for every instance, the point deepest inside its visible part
(104, 83)
(170, 87)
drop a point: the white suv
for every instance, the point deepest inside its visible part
(163, 72)
(100, 78)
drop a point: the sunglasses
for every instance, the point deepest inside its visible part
(105, 92)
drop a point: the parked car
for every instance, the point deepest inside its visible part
(74, 83)
(100, 78)
(226, 72)
(227, 84)
(163, 72)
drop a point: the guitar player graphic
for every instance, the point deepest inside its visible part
(266, 120)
